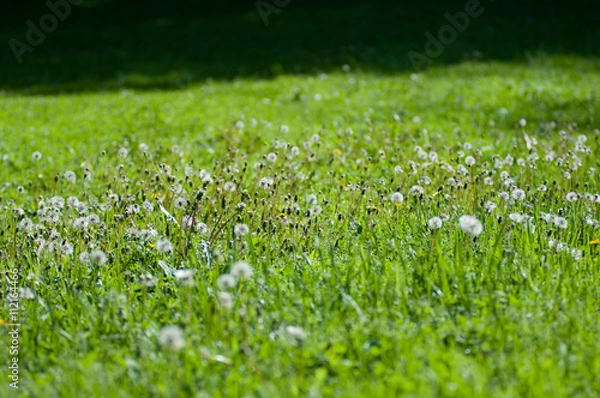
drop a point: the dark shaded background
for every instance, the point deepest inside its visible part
(107, 45)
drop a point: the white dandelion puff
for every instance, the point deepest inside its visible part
(416, 190)
(184, 275)
(225, 300)
(80, 223)
(26, 293)
(396, 197)
(241, 270)
(164, 246)
(296, 333)
(25, 224)
(265, 182)
(66, 249)
(201, 228)
(572, 197)
(490, 206)
(315, 211)
(311, 199)
(226, 282)
(147, 280)
(470, 225)
(518, 194)
(434, 223)
(147, 205)
(517, 217)
(70, 176)
(172, 338)
(98, 257)
(229, 186)
(560, 222)
(272, 157)
(180, 203)
(241, 230)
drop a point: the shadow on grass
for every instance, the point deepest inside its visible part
(150, 45)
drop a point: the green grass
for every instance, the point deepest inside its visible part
(389, 307)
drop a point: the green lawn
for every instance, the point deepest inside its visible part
(305, 274)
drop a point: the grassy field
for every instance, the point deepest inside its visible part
(352, 230)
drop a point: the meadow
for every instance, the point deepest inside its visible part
(352, 230)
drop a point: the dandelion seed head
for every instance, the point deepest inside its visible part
(70, 176)
(98, 257)
(470, 225)
(80, 224)
(315, 211)
(201, 228)
(184, 275)
(66, 249)
(518, 194)
(26, 293)
(57, 202)
(296, 333)
(434, 223)
(229, 186)
(241, 270)
(225, 300)
(180, 203)
(416, 190)
(84, 257)
(396, 197)
(240, 230)
(265, 182)
(26, 224)
(172, 338)
(164, 246)
(148, 281)
(516, 217)
(226, 282)
(560, 222)
(311, 199)
(572, 197)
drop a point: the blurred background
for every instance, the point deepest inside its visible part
(149, 45)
